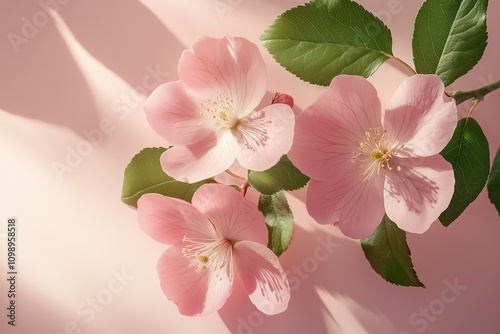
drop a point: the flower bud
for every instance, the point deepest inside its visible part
(283, 98)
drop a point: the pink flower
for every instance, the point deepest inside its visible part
(219, 232)
(364, 162)
(209, 114)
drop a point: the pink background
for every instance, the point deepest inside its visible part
(88, 67)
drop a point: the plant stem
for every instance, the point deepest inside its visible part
(476, 94)
(408, 67)
(236, 176)
(243, 189)
(474, 105)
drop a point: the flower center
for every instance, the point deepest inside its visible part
(220, 113)
(375, 151)
(377, 154)
(215, 254)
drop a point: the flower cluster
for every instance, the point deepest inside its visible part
(210, 117)
(363, 161)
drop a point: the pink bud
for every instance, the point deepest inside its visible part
(283, 98)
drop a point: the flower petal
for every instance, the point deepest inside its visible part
(344, 112)
(233, 216)
(173, 114)
(265, 136)
(206, 158)
(168, 220)
(262, 276)
(196, 291)
(231, 65)
(421, 116)
(415, 196)
(354, 206)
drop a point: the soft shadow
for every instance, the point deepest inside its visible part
(334, 289)
(43, 81)
(125, 36)
(305, 310)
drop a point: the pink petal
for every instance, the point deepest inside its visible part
(231, 65)
(174, 115)
(206, 158)
(415, 196)
(354, 206)
(233, 216)
(265, 136)
(344, 111)
(168, 220)
(262, 276)
(196, 291)
(421, 116)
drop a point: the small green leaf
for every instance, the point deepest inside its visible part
(325, 38)
(282, 176)
(144, 175)
(494, 182)
(449, 37)
(469, 154)
(279, 221)
(388, 253)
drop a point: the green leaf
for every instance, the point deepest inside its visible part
(326, 38)
(449, 37)
(144, 175)
(279, 221)
(469, 154)
(282, 176)
(494, 182)
(388, 253)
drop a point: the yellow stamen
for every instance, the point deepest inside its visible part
(376, 148)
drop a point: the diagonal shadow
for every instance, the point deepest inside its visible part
(125, 36)
(305, 309)
(42, 80)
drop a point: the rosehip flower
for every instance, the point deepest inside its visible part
(363, 161)
(209, 114)
(218, 232)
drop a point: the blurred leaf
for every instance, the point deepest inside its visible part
(279, 221)
(325, 38)
(449, 37)
(388, 253)
(282, 176)
(144, 175)
(469, 154)
(494, 182)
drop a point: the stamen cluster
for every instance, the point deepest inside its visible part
(376, 146)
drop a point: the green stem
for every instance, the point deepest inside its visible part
(475, 94)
